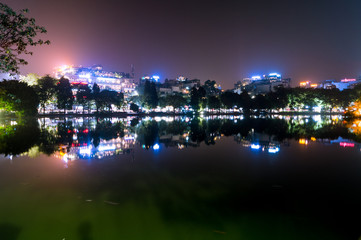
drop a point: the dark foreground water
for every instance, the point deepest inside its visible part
(298, 178)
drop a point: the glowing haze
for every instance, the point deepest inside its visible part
(218, 40)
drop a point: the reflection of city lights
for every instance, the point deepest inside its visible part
(85, 151)
(303, 141)
(156, 146)
(273, 149)
(107, 147)
(255, 146)
(346, 144)
(180, 146)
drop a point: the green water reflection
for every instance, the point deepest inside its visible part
(180, 178)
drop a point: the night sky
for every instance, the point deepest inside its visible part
(218, 40)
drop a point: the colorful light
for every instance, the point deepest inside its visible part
(303, 141)
(346, 144)
(255, 146)
(155, 77)
(156, 146)
(348, 80)
(273, 149)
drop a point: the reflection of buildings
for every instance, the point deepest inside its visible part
(179, 141)
(259, 142)
(105, 148)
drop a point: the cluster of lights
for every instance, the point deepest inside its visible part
(270, 76)
(270, 149)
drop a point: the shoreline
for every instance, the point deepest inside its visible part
(154, 114)
(164, 114)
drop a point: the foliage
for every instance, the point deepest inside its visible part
(64, 94)
(150, 96)
(210, 88)
(31, 79)
(17, 34)
(106, 98)
(83, 96)
(134, 107)
(197, 95)
(18, 97)
(46, 90)
(176, 101)
(229, 99)
(213, 102)
(19, 138)
(245, 102)
(148, 133)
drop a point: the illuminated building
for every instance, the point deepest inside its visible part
(305, 84)
(180, 85)
(116, 81)
(261, 84)
(346, 83)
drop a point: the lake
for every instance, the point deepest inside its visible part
(220, 177)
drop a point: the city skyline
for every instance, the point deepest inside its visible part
(222, 41)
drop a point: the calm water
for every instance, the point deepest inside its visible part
(183, 178)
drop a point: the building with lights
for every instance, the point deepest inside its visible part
(261, 84)
(116, 81)
(180, 85)
(346, 83)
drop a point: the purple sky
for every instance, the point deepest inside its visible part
(218, 40)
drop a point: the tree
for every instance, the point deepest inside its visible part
(46, 90)
(197, 96)
(245, 102)
(150, 96)
(18, 97)
(229, 99)
(176, 101)
(83, 96)
(17, 33)
(106, 98)
(134, 107)
(31, 79)
(64, 95)
(213, 102)
(95, 96)
(210, 88)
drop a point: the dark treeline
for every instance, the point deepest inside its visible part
(49, 94)
(16, 96)
(151, 132)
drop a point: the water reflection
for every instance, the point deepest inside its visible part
(93, 138)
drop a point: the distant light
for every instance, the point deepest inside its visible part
(156, 146)
(274, 75)
(107, 147)
(346, 144)
(274, 150)
(85, 151)
(303, 141)
(64, 67)
(348, 80)
(305, 83)
(155, 77)
(128, 138)
(85, 75)
(255, 146)
(256, 77)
